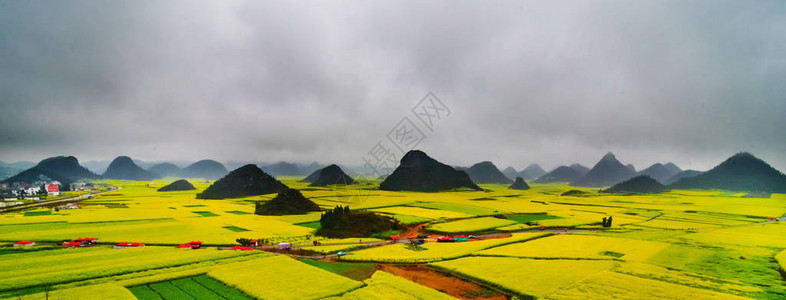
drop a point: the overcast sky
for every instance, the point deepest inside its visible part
(552, 82)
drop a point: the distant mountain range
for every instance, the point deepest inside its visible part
(661, 172)
(531, 172)
(564, 174)
(6, 172)
(11, 169)
(681, 175)
(608, 171)
(510, 172)
(742, 172)
(487, 172)
(165, 170)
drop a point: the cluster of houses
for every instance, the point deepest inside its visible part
(39, 188)
(15, 193)
(26, 191)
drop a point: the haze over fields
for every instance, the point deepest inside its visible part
(526, 82)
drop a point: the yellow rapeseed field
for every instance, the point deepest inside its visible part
(620, 286)
(383, 285)
(523, 276)
(580, 246)
(281, 277)
(433, 251)
(700, 244)
(32, 268)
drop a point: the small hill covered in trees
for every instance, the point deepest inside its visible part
(312, 177)
(66, 166)
(179, 185)
(248, 180)
(419, 172)
(65, 169)
(533, 171)
(123, 167)
(487, 172)
(207, 169)
(741, 172)
(641, 184)
(519, 184)
(606, 172)
(164, 170)
(661, 172)
(288, 202)
(575, 193)
(340, 222)
(332, 174)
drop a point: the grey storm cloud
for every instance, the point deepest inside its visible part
(553, 82)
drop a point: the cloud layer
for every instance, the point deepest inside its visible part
(536, 81)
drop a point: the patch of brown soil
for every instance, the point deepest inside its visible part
(502, 236)
(450, 285)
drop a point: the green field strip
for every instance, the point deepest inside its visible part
(144, 292)
(195, 289)
(167, 290)
(235, 228)
(205, 213)
(220, 288)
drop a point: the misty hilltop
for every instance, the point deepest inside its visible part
(563, 174)
(661, 172)
(532, 171)
(162, 170)
(207, 169)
